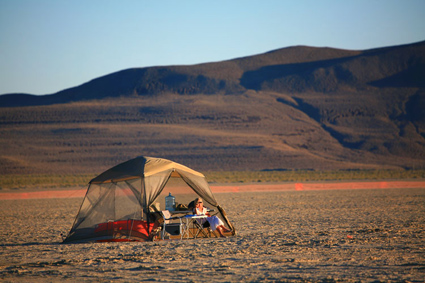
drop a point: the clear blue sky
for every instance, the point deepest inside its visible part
(49, 45)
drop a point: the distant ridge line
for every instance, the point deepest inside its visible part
(274, 70)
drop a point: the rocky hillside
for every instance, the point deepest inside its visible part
(293, 108)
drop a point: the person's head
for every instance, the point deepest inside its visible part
(198, 202)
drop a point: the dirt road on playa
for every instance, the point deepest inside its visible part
(309, 186)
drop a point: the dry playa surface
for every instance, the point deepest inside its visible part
(368, 235)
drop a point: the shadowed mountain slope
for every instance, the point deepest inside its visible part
(293, 108)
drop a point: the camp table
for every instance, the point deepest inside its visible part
(190, 220)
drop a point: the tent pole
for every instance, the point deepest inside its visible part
(223, 213)
(145, 204)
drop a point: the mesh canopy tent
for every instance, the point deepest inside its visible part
(118, 203)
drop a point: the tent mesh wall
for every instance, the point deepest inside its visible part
(107, 203)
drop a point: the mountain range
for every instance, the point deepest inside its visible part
(293, 108)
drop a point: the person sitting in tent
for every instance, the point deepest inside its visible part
(214, 221)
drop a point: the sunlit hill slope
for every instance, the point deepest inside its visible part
(293, 108)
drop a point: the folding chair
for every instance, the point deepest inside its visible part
(173, 228)
(209, 233)
(200, 228)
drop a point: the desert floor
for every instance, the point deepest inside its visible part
(368, 235)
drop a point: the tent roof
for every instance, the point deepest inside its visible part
(141, 167)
